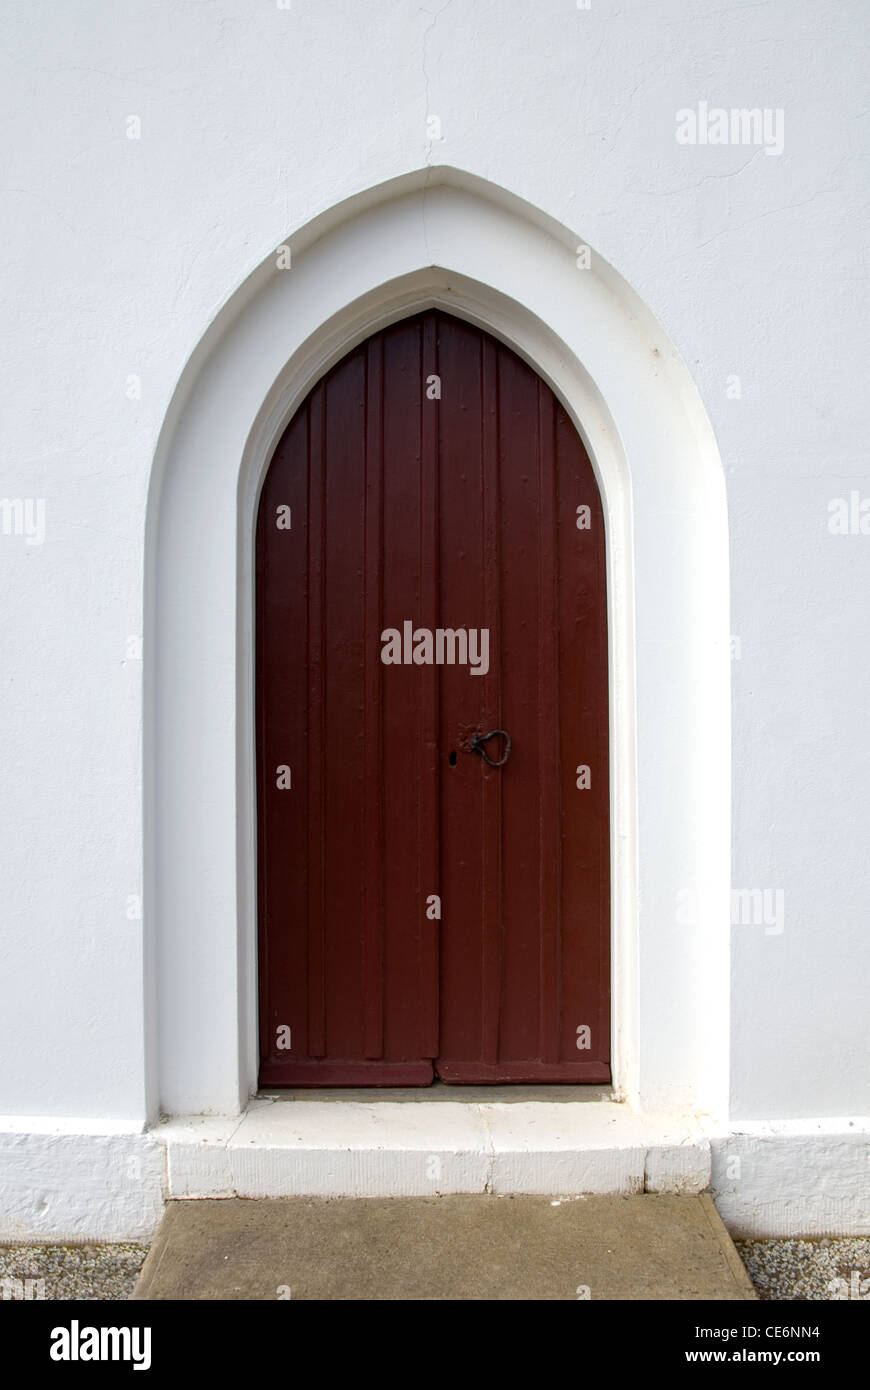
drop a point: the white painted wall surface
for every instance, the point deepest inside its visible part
(253, 120)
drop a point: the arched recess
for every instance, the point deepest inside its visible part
(442, 238)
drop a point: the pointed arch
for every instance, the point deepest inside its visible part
(441, 238)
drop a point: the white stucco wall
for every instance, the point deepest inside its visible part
(253, 120)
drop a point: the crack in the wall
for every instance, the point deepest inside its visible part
(429, 30)
(426, 113)
(489, 1153)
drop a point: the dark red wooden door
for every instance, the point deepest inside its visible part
(430, 568)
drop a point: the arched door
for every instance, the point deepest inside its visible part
(430, 569)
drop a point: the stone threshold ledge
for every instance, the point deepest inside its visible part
(424, 1147)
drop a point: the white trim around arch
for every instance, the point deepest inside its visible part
(446, 239)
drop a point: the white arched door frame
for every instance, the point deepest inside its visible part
(447, 239)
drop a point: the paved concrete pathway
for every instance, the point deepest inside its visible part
(457, 1247)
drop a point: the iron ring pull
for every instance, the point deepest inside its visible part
(480, 739)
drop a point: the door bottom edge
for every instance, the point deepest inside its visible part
(523, 1073)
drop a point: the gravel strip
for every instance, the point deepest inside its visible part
(825, 1270)
(93, 1272)
(781, 1270)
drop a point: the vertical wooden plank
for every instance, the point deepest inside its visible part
(316, 719)
(373, 946)
(400, 684)
(549, 779)
(520, 828)
(585, 877)
(462, 695)
(428, 883)
(491, 778)
(602, 702)
(344, 699)
(282, 738)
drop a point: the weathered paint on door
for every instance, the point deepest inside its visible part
(430, 904)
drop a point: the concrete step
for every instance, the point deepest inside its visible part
(457, 1139)
(451, 1247)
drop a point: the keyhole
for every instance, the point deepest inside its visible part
(452, 758)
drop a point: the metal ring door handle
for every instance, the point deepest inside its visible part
(480, 739)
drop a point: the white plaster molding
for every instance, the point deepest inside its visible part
(447, 239)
